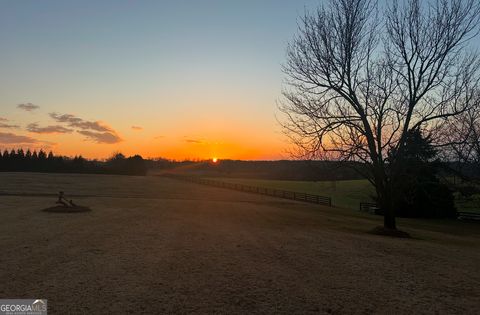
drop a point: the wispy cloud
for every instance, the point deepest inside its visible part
(93, 130)
(8, 126)
(28, 106)
(138, 128)
(3, 119)
(101, 137)
(74, 121)
(48, 129)
(193, 141)
(159, 137)
(10, 138)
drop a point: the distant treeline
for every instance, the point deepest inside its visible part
(277, 170)
(33, 161)
(301, 170)
(41, 161)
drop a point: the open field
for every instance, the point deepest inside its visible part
(156, 245)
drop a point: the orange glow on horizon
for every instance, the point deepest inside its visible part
(175, 148)
(202, 140)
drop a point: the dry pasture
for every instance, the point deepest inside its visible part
(157, 245)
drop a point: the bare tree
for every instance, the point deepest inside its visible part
(358, 81)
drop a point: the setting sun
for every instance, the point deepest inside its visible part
(214, 160)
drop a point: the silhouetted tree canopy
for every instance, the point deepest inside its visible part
(134, 165)
(20, 161)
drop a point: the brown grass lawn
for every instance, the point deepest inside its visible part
(156, 245)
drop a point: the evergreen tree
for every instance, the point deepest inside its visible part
(420, 193)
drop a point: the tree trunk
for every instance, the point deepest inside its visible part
(389, 221)
(386, 204)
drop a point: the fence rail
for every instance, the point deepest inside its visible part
(293, 195)
(374, 209)
(462, 215)
(369, 207)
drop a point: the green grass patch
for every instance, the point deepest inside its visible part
(471, 204)
(345, 194)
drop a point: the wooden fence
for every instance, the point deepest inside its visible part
(374, 209)
(462, 215)
(293, 195)
(369, 207)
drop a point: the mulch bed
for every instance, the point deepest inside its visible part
(380, 230)
(63, 209)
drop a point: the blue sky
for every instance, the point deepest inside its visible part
(180, 79)
(159, 64)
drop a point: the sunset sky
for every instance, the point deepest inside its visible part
(177, 79)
